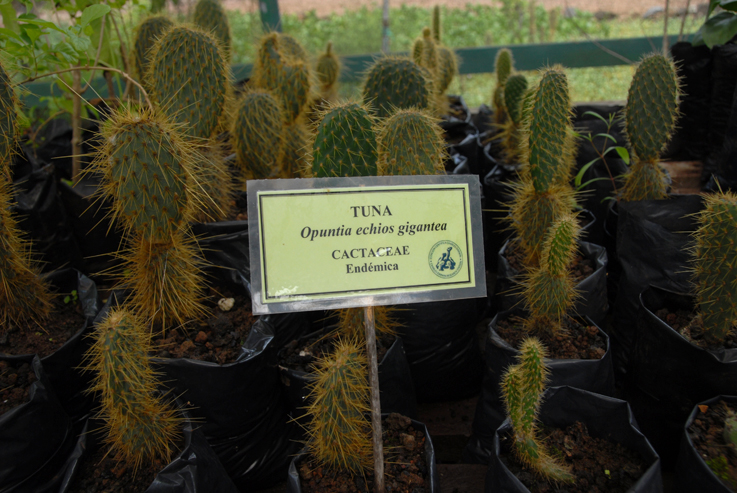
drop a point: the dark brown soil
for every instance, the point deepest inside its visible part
(302, 354)
(15, 383)
(217, 339)
(405, 467)
(66, 319)
(577, 342)
(690, 326)
(580, 268)
(600, 466)
(707, 435)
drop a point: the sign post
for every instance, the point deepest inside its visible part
(328, 243)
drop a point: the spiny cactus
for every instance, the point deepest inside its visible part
(327, 70)
(339, 430)
(292, 47)
(503, 67)
(352, 322)
(396, 83)
(8, 121)
(345, 142)
(210, 16)
(650, 118)
(146, 35)
(296, 151)
(213, 180)
(522, 388)
(436, 23)
(140, 425)
(549, 290)
(428, 53)
(447, 68)
(188, 79)
(258, 134)
(410, 142)
(514, 91)
(715, 265)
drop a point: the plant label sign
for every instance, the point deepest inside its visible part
(328, 243)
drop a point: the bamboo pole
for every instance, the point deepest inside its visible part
(375, 402)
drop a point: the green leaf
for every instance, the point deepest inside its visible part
(67, 299)
(595, 114)
(623, 153)
(607, 136)
(719, 29)
(601, 178)
(583, 170)
(730, 5)
(7, 12)
(93, 12)
(10, 34)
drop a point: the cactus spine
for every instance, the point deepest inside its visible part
(447, 68)
(503, 67)
(140, 425)
(650, 118)
(210, 16)
(328, 69)
(411, 142)
(352, 323)
(345, 142)
(146, 35)
(397, 83)
(8, 122)
(522, 388)
(715, 265)
(258, 134)
(514, 91)
(340, 430)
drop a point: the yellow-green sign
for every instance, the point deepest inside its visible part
(315, 243)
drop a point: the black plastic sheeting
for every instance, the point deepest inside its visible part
(725, 175)
(442, 348)
(498, 189)
(653, 237)
(36, 436)
(293, 483)
(397, 391)
(669, 375)
(724, 81)
(604, 417)
(692, 473)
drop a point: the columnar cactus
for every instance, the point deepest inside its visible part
(650, 118)
(397, 82)
(549, 290)
(328, 70)
(8, 121)
(146, 35)
(345, 142)
(503, 66)
(522, 388)
(715, 265)
(258, 134)
(428, 53)
(411, 142)
(339, 430)
(351, 322)
(447, 68)
(210, 16)
(140, 426)
(436, 23)
(514, 91)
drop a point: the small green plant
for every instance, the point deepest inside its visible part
(210, 16)
(410, 142)
(522, 387)
(258, 134)
(397, 83)
(8, 121)
(72, 298)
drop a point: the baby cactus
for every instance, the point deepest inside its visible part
(188, 79)
(146, 35)
(345, 142)
(328, 69)
(210, 16)
(428, 52)
(140, 426)
(503, 66)
(715, 265)
(514, 91)
(397, 83)
(8, 121)
(549, 290)
(258, 134)
(650, 118)
(447, 68)
(410, 142)
(339, 430)
(522, 387)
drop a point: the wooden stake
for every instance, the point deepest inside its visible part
(375, 402)
(76, 125)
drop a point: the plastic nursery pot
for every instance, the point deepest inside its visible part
(669, 374)
(692, 473)
(459, 112)
(588, 374)
(604, 417)
(395, 383)
(497, 194)
(37, 437)
(432, 478)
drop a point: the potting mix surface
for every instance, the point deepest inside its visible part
(690, 326)
(707, 435)
(16, 378)
(302, 354)
(580, 268)
(575, 342)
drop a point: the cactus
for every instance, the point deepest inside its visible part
(514, 91)
(351, 322)
(522, 387)
(339, 430)
(503, 66)
(210, 16)
(650, 118)
(146, 35)
(8, 121)
(714, 265)
(428, 53)
(549, 290)
(258, 134)
(436, 23)
(410, 142)
(292, 48)
(345, 142)
(397, 83)
(296, 151)
(213, 181)
(447, 68)
(188, 79)
(327, 70)
(140, 426)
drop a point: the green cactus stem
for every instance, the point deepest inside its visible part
(514, 91)
(447, 68)
(522, 388)
(258, 134)
(146, 35)
(429, 53)
(296, 151)
(714, 265)
(327, 71)
(650, 119)
(8, 121)
(397, 83)
(410, 142)
(339, 430)
(436, 23)
(210, 16)
(140, 425)
(503, 67)
(345, 142)
(212, 178)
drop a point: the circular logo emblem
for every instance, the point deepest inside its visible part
(445, 258)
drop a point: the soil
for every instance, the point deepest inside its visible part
(217, 339)
(707, 435)
(577, 342)
(15, 384)
(690, 326)
(580, 268)
(600, 466)
(66, 319)
(405, 466)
